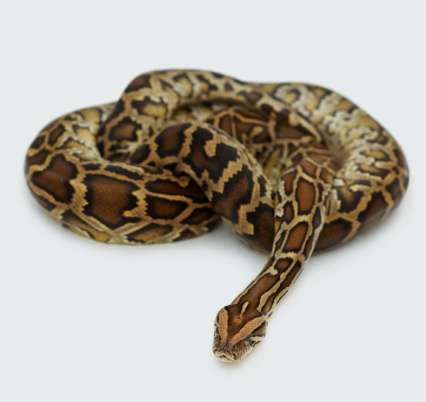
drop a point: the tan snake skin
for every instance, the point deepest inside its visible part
(289, 167)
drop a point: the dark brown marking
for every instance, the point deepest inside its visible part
(120, 170)
(160, 208)
(296, 237)
(150, 108)
(206, 85)
(283, 131)
(92, 166)
(36, 159)
(237, 320)
(374, 211)
(288, 181)
(38, 142)
(263, 220)
(237, 192)
(171, 187)
(55, 179)
(288, 212)
(308, 247)
(142, 81)
(124, 130)
(100, 145)
(381, 139)
(224, 122)
(166, 86)
(305, 196)
(394, 189)
(186, 235)
(373, 170)
(333, 233)
(317, 219)
(118, 110)
(349, 200)
(283, 263)
(170, 140)
(252, 96)
(326, 176)
(55, 134)
(283, 115)
(198, 216)
(228, 87)
(140, 154)
(109, 198)
(150, 232)
(290, 277)
(267, 109)
(200, 162)
(264, 283)
(309, 168)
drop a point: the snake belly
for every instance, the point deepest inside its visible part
(290, 168)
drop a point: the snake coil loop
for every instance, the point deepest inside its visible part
(289, 167)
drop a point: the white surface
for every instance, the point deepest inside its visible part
(83, 321)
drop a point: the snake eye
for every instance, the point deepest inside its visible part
(251, 340)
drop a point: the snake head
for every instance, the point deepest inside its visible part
(238, 329)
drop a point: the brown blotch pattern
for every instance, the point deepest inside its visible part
(305, 196)
(170, 140)
(375, 209)
(237, 192)
(55, 134)
(198, 216)
(296, 237)
(149, 232)
(125, 130)
(55, 179)
(333, 233)
(109, 198)
(160, 208)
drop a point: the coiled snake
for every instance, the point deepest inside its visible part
(289, 167)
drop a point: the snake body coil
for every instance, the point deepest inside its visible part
(289, 167)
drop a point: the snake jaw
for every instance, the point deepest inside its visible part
(237, 332)
(228, 352)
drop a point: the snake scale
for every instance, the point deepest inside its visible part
(289, 167)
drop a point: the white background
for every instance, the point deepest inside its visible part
(84, 321)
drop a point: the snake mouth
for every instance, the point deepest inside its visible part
(230, 353)
(223, 357)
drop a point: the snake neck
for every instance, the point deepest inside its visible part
(299, 216)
